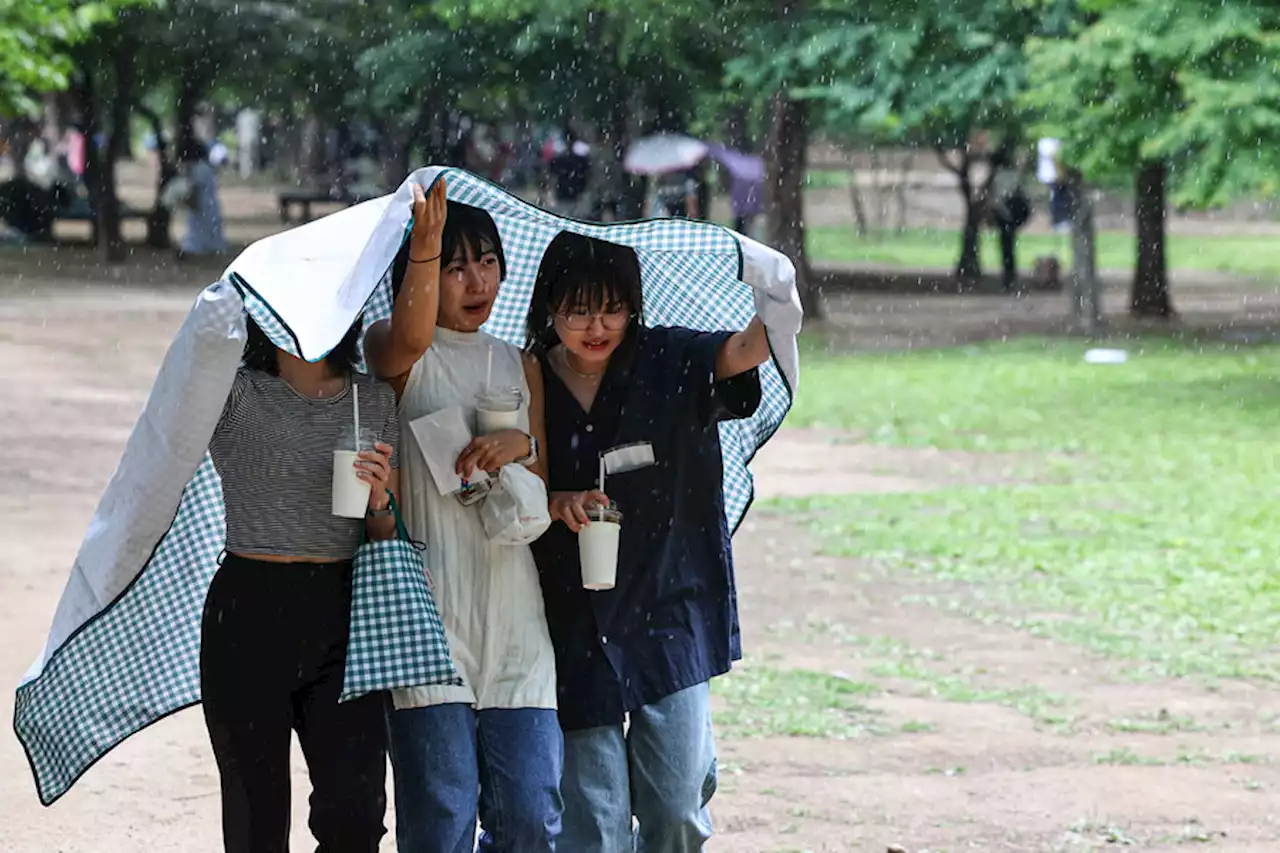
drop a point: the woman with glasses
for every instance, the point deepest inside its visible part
(646, 649)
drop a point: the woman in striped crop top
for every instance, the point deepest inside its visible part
(274, 633)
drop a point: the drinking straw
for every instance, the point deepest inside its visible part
(601, 510)
(355, 397)
(488, 370)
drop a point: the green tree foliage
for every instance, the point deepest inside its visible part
(35, 41)
(930, 74)
(1180, 93)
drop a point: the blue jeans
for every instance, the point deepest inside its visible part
(662, 771)
(446, 756)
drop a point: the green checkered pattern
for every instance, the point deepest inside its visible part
(137, 661)
(397, 638)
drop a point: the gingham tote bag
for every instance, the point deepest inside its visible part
(396, 637)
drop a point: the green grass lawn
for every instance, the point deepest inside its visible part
(929, 249)
(1149, 524)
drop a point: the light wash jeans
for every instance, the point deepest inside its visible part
(446, 756)
(662, 770)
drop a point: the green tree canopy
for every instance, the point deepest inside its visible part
(35, 39)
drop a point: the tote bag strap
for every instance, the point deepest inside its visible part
(402, 532)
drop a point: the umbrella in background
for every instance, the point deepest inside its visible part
(664, 153)
(746, 173)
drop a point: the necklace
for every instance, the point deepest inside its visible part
(564, 361)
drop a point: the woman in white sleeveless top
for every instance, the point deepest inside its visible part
(497, 734)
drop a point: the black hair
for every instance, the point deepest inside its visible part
(192, 150)
(468, 228)
(582, 271)
(260, 352)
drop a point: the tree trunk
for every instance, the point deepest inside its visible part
(786, 160)
(160, 217)
(785, 163)
(124, 64)
(190, 91)
(1150, 296)
(861, 226)
(736, 131)
(99, 171)
(1086, 307)
(900, 192)
(969, 267)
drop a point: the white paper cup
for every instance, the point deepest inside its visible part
(598, 549)
(350, 493)
(490, 421)
(498, 409)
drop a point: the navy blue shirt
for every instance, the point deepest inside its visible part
(671, 620)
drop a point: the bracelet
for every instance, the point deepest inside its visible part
(412, 260)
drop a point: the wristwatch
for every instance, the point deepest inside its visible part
(533, 453)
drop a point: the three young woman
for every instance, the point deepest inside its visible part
(646, 649)
(274, 633)
(496, 734)
(537, 728)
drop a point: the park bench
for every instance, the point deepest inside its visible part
(304, 198)
(78, 210)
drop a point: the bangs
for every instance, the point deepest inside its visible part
(470, 231)
(580, 272)
(586, 293)
(466, 228)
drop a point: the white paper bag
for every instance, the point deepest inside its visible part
(515, 511)
(442, 436)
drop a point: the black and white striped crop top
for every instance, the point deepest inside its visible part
(273, 449)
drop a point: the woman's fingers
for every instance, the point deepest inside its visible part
(467, 458)
(419, 204)
(438, 202)
(570, 519)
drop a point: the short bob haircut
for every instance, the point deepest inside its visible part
(578, 271)
(260, 353)
(468, 228)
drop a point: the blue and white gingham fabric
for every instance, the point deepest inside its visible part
(111, 670)
(397, 638)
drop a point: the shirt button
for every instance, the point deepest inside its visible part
(590, 428)
(604, 640)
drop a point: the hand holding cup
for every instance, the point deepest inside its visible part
(572, 507)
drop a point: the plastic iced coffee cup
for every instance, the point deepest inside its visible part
(598, 548)
(350, 493)
(498, 409)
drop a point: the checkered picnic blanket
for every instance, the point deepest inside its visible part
(124, 649)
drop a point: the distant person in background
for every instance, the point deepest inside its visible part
(1010, 209)
(204, 212)
(677, 195)
(248, 135)
(571, 170)
(1049, 172)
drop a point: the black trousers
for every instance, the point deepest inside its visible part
(1008, 260)
(272, 652)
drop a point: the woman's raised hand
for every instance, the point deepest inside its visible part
(429, 211)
